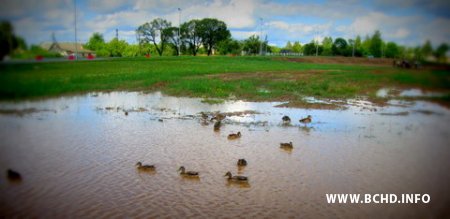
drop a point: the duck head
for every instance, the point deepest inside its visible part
(182, 169)
(139, 164)
(239, 134)
(228, 174)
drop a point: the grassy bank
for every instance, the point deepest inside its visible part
(252, 78)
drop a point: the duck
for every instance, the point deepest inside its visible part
(236, 178)
(306, 120)
(234, 136)
(242, 162)
(145, 167)
(286, 119)
(13, 175)
(286, 145)
(188, 173)
(218, 117)
(217, 125)
(204, 115)
(126, 113)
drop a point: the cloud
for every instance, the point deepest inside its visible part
(105, 6)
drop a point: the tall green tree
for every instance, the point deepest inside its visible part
(116, 47)
(297, 47)
(440, 52)
(376, 44)
(339, 47)
(8, 40)
(392, 50)
(96, 42)
(251, 45)
(288, 46)
(427, 49)
(327, 44)
(173, 38)
(229, 46)
(190, 36)
(212, 31)
(154, 32)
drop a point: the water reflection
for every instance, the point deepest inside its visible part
(77, 158)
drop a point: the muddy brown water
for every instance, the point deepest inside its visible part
(77, 158)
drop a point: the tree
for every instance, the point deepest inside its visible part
(297, 47)
(366, 45)
(310, 49)
(427, 49)
(339, 47)
(376, 44)
(440, 53)
(173, 38)
(212, 31)
(96, 42)
(327, 44)
(154, 32)
(229, 46)
(116, 47)
(288, 46)
(8, 41)
(251, 44)
(190, 35)
(392, 50)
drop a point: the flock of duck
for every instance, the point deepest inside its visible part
(240, 163)
(15, 176)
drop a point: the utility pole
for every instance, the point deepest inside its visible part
(117, 33)
(75, 13)
(260, 37)
(179, 35)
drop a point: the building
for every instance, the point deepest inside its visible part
(67, 49)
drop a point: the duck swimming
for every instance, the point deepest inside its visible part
(242, 162)
(187, 173)
(286, 145)
(306, 120)
(145, 167)
(217, 125)
(234, 136)
(236, 178)
(286, 119)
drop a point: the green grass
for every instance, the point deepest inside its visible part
(194, 76)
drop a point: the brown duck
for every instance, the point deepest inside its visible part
(306, 120)
(234, 136)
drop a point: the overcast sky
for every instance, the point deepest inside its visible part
(408, 22)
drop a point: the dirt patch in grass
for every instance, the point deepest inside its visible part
(274, 76)
(341, 60)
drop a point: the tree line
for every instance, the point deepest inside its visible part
(209, 35)
(371, 46)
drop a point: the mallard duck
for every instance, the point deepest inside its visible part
(236, 178)
(218, 117)
(286, 145)
(187, 173)
(13, 175)
(286, 119)
(144, 167)
(234, 136)
(242, 162)
(306, 120)
(217, 125)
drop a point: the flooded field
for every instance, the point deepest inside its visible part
(77, 158)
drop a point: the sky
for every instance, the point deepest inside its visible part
(406, 22)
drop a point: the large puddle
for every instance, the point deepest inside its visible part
(77, 157)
